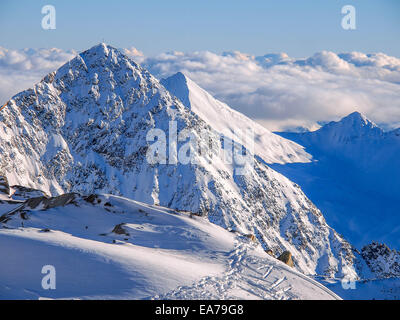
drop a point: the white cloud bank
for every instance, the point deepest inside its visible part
(283, 92)
(20, 69)
(278, 91)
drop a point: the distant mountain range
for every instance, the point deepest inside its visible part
(354, 177)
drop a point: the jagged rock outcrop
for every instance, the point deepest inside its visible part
(38, 203)
(286, 257)
(23, 193)
(51, 202)
(17, 193)
(4, 187)
(119, 229)
(382, 261)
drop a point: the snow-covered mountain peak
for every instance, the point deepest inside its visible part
(178, 84)
(352, 126)
(357, 119)
(351, 129)
(230, 123)
(108, 56)
(101, 49)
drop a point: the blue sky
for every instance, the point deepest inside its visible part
(299, 28)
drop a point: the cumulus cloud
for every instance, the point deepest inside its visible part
(134, 53)
(278, 91)
(20, 69)
(285, 93)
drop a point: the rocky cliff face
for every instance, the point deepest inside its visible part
(4, 187)
(84, 128)
(382, 261)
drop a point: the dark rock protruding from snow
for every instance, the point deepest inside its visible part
(52, 202)
(24, 193)
(4, 187)
(383, 261)
(286, 257)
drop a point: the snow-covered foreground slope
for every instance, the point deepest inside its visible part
(269, 146)
(111, 247)
(84, 128)
(355, 178)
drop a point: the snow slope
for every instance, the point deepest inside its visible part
(154, 253)
(355, 178)
(83, 129)
(269, 146)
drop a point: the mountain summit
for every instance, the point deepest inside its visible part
(353, 126)
(357, 117)
(270, 147)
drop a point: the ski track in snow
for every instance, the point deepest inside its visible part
(243, 278)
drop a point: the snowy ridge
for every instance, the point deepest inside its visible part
(349, 130)
(124, 249)
(83, 129)
(270, 147)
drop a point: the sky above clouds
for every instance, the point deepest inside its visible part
(299, 28)
(279, 91)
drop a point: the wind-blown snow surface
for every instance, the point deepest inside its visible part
(83, 129)
(355, 178)
(156, 253)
